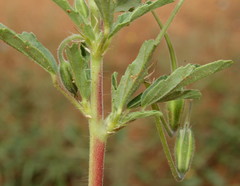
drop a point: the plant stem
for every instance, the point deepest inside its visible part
(96, 127)
(96, 157)
(166, 126)
(159, 120)
(166, 149)
(161, 117)
(169, 21)
(96, 87)
(172, 54)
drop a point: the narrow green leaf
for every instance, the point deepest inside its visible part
(181, 94)
(179, 78)
(28, 44)
(134, 75)
(159, 89)
(106, 8)
(81, 7)
(126, 18)
(73, 14)
(114, 80)
(79, 66)
(114, 86)
(135, 102)
(126, 5)
(88, 32)
(137, 115)
(205, 70)
(80, 21)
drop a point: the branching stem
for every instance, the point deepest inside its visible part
(172, 54)
(169, 21)
(166, 149)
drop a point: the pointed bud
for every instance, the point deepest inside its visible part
(82, 8)
(184, 150)
(66, 76)
(175, 109)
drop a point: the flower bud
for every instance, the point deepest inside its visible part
(66, 76)
(184, 150)
(175, 109)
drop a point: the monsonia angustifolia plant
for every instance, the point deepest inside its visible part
(77, 74)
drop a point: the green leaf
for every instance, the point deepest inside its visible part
(81, 7)
(80, 21)
(126, 5)
(88, 32)
(137, 115)
(114, 87)
(28, 44)
(80, 69)
(181, 94)
(205, 70)
(135, 102)
(114, 80)
(73, 14)
(106, 8)
(161, 88)
(179, 78)
(126, 18)
(134, 75)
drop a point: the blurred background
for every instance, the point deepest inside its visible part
(44, 139)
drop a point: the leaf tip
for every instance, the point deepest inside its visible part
(226, 64)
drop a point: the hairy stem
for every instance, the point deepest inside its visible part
(96, 128)
(96, 87)
(96, 156)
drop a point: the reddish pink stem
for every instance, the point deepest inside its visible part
(97, 166)
(97, 141)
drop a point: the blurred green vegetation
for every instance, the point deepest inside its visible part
(43, 141)
(35, 147)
